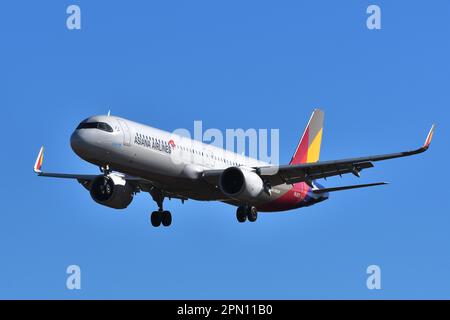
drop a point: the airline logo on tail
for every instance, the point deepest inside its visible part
(308, 149)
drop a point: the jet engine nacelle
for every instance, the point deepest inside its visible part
(112, 191)
(241, 184)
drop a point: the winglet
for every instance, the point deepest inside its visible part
(429, 137)
(39, 160)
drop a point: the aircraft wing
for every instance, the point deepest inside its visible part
(85, 179)
(38, 166)
(77, 176)
(306, 172)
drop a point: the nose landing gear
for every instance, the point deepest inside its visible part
(105, 170)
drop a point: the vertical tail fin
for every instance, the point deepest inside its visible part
(308, 149)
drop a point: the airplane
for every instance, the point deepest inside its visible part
(134, 158)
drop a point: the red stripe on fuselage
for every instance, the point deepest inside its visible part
(292, 199)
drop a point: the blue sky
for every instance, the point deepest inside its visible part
(231, 64)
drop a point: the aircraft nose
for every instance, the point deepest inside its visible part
(82, 143)
(76, 142)
(86, 143)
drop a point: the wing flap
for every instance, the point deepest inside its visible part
(327, 170)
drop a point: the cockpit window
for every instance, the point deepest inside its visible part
(105, 127)
(88, 125)
(95, 125)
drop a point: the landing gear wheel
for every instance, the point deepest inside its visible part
(241, 214)
(252, 214)
(156, 218)
(160, 216)
(166, 218)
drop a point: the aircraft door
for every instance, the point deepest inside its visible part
(126, 133)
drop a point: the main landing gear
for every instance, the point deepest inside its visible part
(161, 216)
(246, 212)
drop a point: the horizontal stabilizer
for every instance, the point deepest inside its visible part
(319, 191)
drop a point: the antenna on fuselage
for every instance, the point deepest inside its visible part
(109, 113)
